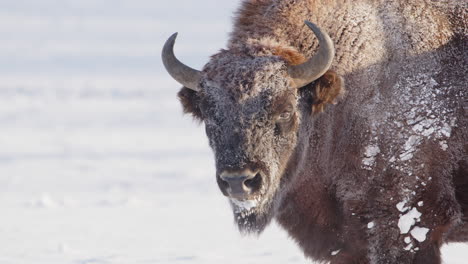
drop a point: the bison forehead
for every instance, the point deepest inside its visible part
(237, 78)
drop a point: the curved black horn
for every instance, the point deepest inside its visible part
(182, 73)
(318, 64)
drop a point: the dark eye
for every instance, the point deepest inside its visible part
(285, 116)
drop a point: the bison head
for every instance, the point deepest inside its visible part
(252, 107)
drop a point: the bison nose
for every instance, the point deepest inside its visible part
(240, 185)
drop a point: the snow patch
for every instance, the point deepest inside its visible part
(246, 205)
(406, 156)
(410, 147)
(443, 145)
(408, 220)
(426, 117)
(412, 142)
(419, 233)
(370, 153)
(408, 247)
(446, 130)
(370, 225)
(334, 253)
(401, 206)
(372, 150)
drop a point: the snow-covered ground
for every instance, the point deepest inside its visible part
(97, 163)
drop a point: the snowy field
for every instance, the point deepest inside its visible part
(97, 163)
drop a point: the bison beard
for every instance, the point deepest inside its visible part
(252, 220)
(379, 178)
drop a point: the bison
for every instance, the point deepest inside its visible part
(382, 176)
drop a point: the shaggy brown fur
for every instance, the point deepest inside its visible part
(190, 103)
(382, 177)
(328, 89)
(289, 54)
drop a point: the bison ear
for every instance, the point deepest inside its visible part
(190, 102)
(328, 89)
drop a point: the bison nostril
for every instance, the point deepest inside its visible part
(224, 183)
(240, 185)
(254, 183)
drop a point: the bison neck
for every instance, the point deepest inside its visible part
(311, 217)
(308, 209)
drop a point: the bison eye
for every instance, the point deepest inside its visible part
(285, 116)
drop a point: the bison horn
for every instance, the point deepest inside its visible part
(182, 73)
(316, 66)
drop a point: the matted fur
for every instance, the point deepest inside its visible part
(328, 90)
(343, 182)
